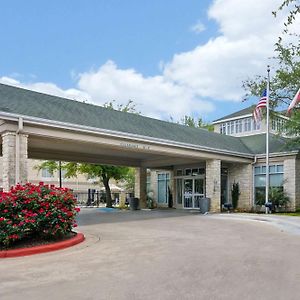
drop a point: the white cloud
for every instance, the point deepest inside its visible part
(216, 69)
(198, 27)
(192, 81)
(48, 88)
(155, 96)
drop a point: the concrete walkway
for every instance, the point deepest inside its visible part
(167, 254)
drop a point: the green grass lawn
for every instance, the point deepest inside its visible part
(293, 214)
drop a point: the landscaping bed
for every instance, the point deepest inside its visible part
(37, 216)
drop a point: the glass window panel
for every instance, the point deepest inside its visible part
(260, 195)
(272, 169)
(280, 168)
(195, 172)
(201, 171)
(260, 180)
(162, 195)
(276, 179)
(263, 169)
(257, 170)
(179, 172)
(199, 183)
(188, 172)
(161, 176)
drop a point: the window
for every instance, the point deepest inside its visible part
(238, 126)
(188, 172)
(278, 124)
(276, 180)
(247, 124)
(223, 128)
(163, 180)
(46, 173)
(179, 173)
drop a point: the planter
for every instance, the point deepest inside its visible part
(78, 238)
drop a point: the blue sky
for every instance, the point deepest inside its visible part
(170, 57)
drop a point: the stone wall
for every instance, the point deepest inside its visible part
(213, 183)
(289, 184)
(141, 185)
(242, 173)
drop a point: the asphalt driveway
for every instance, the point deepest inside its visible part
(167, 254)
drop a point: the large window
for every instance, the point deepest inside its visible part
(238, 126)
(163, 180)
(276, 180)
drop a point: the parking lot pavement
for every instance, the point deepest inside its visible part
(164, 254)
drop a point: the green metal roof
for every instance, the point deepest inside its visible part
(240, 113)
(257, 143)
(24, 102)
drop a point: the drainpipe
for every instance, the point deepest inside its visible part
(18, 131)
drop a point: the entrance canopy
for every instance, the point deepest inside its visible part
(69, 130)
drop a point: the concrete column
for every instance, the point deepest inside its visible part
(141, 186)
(213, 184)
(15, 154)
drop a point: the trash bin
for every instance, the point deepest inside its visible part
(134, 203)
(204, 205)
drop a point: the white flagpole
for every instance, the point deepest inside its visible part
(267, 142)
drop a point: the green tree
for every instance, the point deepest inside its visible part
(194, 122)
(286, 71)
(103, 172)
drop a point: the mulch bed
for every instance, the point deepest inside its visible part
(33, 241)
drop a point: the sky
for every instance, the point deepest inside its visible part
(171, 58)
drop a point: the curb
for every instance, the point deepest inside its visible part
(43, 248)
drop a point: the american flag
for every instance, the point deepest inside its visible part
(257, 115)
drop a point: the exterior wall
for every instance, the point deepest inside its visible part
(213, 184)
(243, 174)
(297, 184)
(290, 186)
(14, 159)
(141, 186)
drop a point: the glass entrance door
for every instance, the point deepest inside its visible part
(188, 193)
(193, 191)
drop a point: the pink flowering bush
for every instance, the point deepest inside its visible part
(36, 210)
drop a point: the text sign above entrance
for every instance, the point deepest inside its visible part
(135, 146)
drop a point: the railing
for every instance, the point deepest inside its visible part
(89, 199)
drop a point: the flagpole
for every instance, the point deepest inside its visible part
(267, 141)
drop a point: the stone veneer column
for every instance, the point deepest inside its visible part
(289, 180)
(243, 175)
(9, 159)
(213, 184)
(141, 186)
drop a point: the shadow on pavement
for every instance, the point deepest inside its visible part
(92, 216)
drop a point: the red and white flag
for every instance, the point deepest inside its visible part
(257, 114)
(294, 102)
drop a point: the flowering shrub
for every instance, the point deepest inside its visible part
(36, 210)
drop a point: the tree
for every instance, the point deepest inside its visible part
(285, 82)
(194, 122)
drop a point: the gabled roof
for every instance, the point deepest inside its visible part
(240, 113)
(22, 102)
(29, 103)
